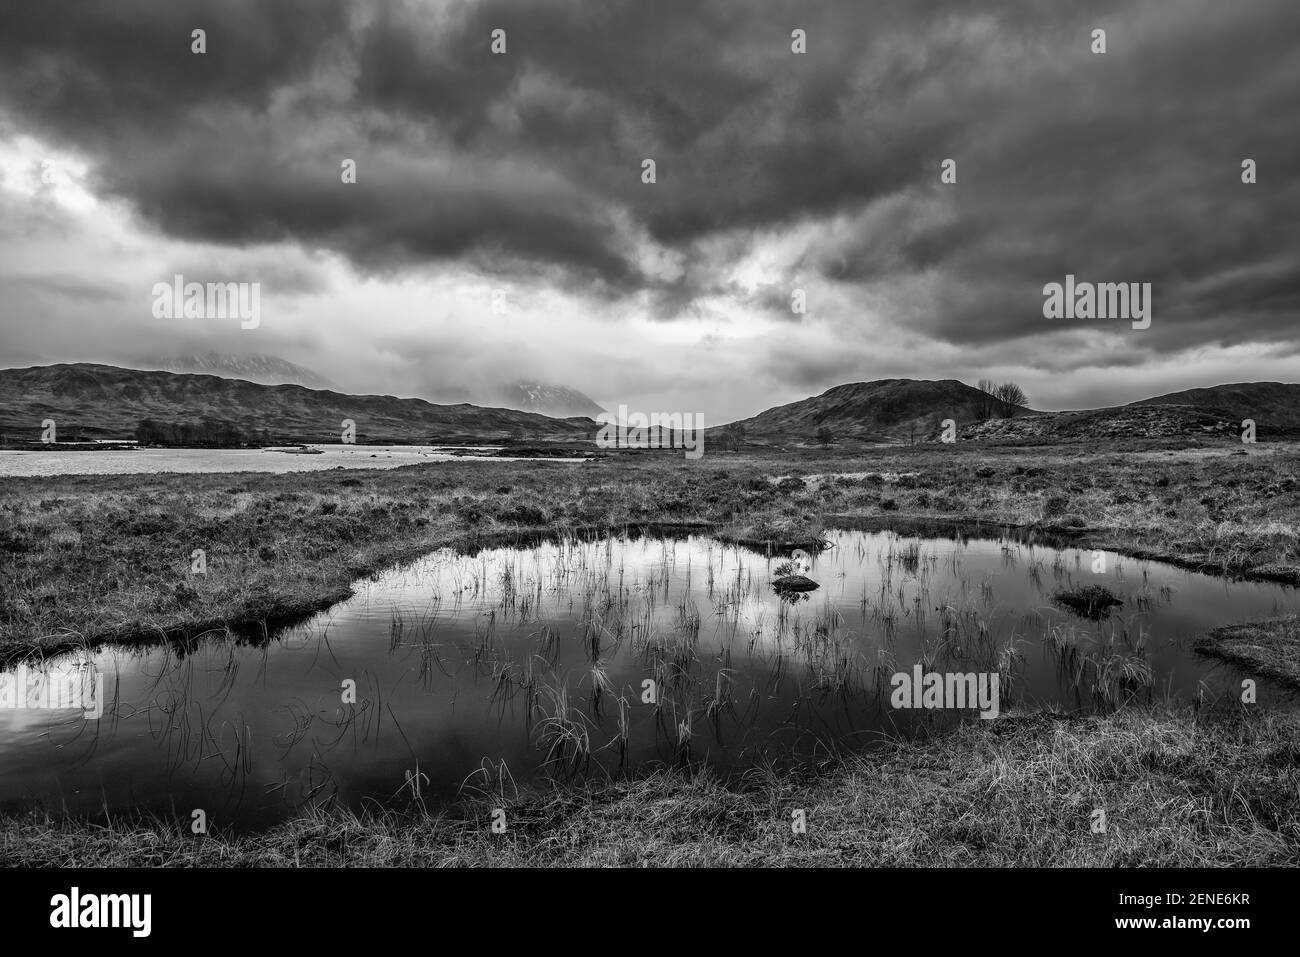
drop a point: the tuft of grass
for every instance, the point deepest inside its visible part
(1270, 648)
(1093, 602)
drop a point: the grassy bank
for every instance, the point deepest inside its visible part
(1177, 790)
(109, 557)
(1270, 648)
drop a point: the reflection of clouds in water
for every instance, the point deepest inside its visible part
(442, 652)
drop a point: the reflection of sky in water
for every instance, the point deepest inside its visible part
(442, 652)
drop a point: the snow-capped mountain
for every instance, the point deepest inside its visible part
(553, 400)
(263, 369)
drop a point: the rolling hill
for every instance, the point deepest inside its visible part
(1212, 411)
(100, 401)
(1273, 405)
(910, 410)
(881, 411)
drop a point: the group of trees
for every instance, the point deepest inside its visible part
(206, 433)
(1000, 400)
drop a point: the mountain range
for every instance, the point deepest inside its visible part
(264, 369)
(556, 401)
(912, 410)
(93, 400)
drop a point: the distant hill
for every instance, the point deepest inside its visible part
(107, 401)
(910, 410)
(88, 400)
(1273, 405)
(881, 411)
(267, 370)
(1122, 422)
(1214, 411)
(553, 400)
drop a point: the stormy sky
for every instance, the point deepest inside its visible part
(499, 226)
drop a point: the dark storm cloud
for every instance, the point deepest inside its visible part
(1126, 168)
(101, 73)
(1122, 167)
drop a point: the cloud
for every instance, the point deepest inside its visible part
(774, 170)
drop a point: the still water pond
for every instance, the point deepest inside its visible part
(571, 658)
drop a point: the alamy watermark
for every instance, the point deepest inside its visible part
(215, 300)
(75, 909)
(932, 690)
(1103, 300)
(658, 430)
(79, 687)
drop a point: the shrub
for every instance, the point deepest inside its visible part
(1091, 601)
(1055, 505)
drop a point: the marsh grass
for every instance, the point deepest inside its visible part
(87, 560)
(1270, 648)
(1180, 790)
(563, 732)
(1091, 601)
(104, 577)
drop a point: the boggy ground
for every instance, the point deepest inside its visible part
(86, 559)
(1174, 789)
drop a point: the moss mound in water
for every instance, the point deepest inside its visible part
(794, 583)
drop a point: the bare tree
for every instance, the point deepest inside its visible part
(987, 400)
(1010, 397)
